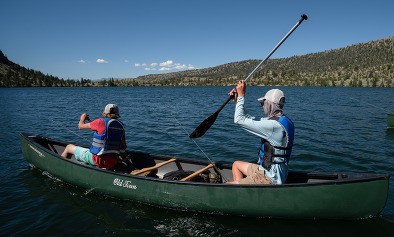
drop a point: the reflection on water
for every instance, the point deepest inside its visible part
(390, 132)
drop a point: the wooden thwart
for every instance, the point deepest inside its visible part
(153, 167)
(197, 173)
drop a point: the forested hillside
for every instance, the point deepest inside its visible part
(14, 75)
(368, 64)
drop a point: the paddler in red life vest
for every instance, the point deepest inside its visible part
(276, 133)
(108, 139)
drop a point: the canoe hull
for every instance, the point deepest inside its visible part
(390, 120)
(345, 200)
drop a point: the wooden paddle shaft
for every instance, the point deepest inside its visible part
(197, 173)
(153, 167)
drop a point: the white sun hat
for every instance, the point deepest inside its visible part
(111, 109)
(275, 95)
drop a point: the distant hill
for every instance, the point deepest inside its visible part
(368, 64)
(4, 60)
(14, 75)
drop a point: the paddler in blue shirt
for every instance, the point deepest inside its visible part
(276, 133)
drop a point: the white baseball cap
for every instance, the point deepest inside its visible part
(111, 108)
(275, 95)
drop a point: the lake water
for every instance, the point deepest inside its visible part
(337, 130)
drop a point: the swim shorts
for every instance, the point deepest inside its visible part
(83, 154)
(255, 176)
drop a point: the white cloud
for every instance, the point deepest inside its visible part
(180, 67)
(100, 60)
(82, 61)
(166, 64)
(126, 61)
(165, 69)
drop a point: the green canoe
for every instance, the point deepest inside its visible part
(390, 120)
(305, 194)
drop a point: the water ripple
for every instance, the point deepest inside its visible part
(333, 134)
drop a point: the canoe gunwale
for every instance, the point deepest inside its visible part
(362, 177)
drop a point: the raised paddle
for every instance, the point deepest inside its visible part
(207, 123)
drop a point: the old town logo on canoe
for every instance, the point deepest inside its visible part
(124, 183)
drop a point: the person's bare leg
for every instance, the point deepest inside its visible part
(69, 151)
(239, 169)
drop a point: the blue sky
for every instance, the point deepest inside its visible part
(126, 39)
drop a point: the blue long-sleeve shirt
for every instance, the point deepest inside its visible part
(270, 130)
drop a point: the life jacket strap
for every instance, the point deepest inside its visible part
(98, 142)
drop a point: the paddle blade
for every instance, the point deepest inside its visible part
(204, 126)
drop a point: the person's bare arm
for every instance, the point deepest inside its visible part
(82, 125)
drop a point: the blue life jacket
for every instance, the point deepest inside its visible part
(267, 151)
(108, 143)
